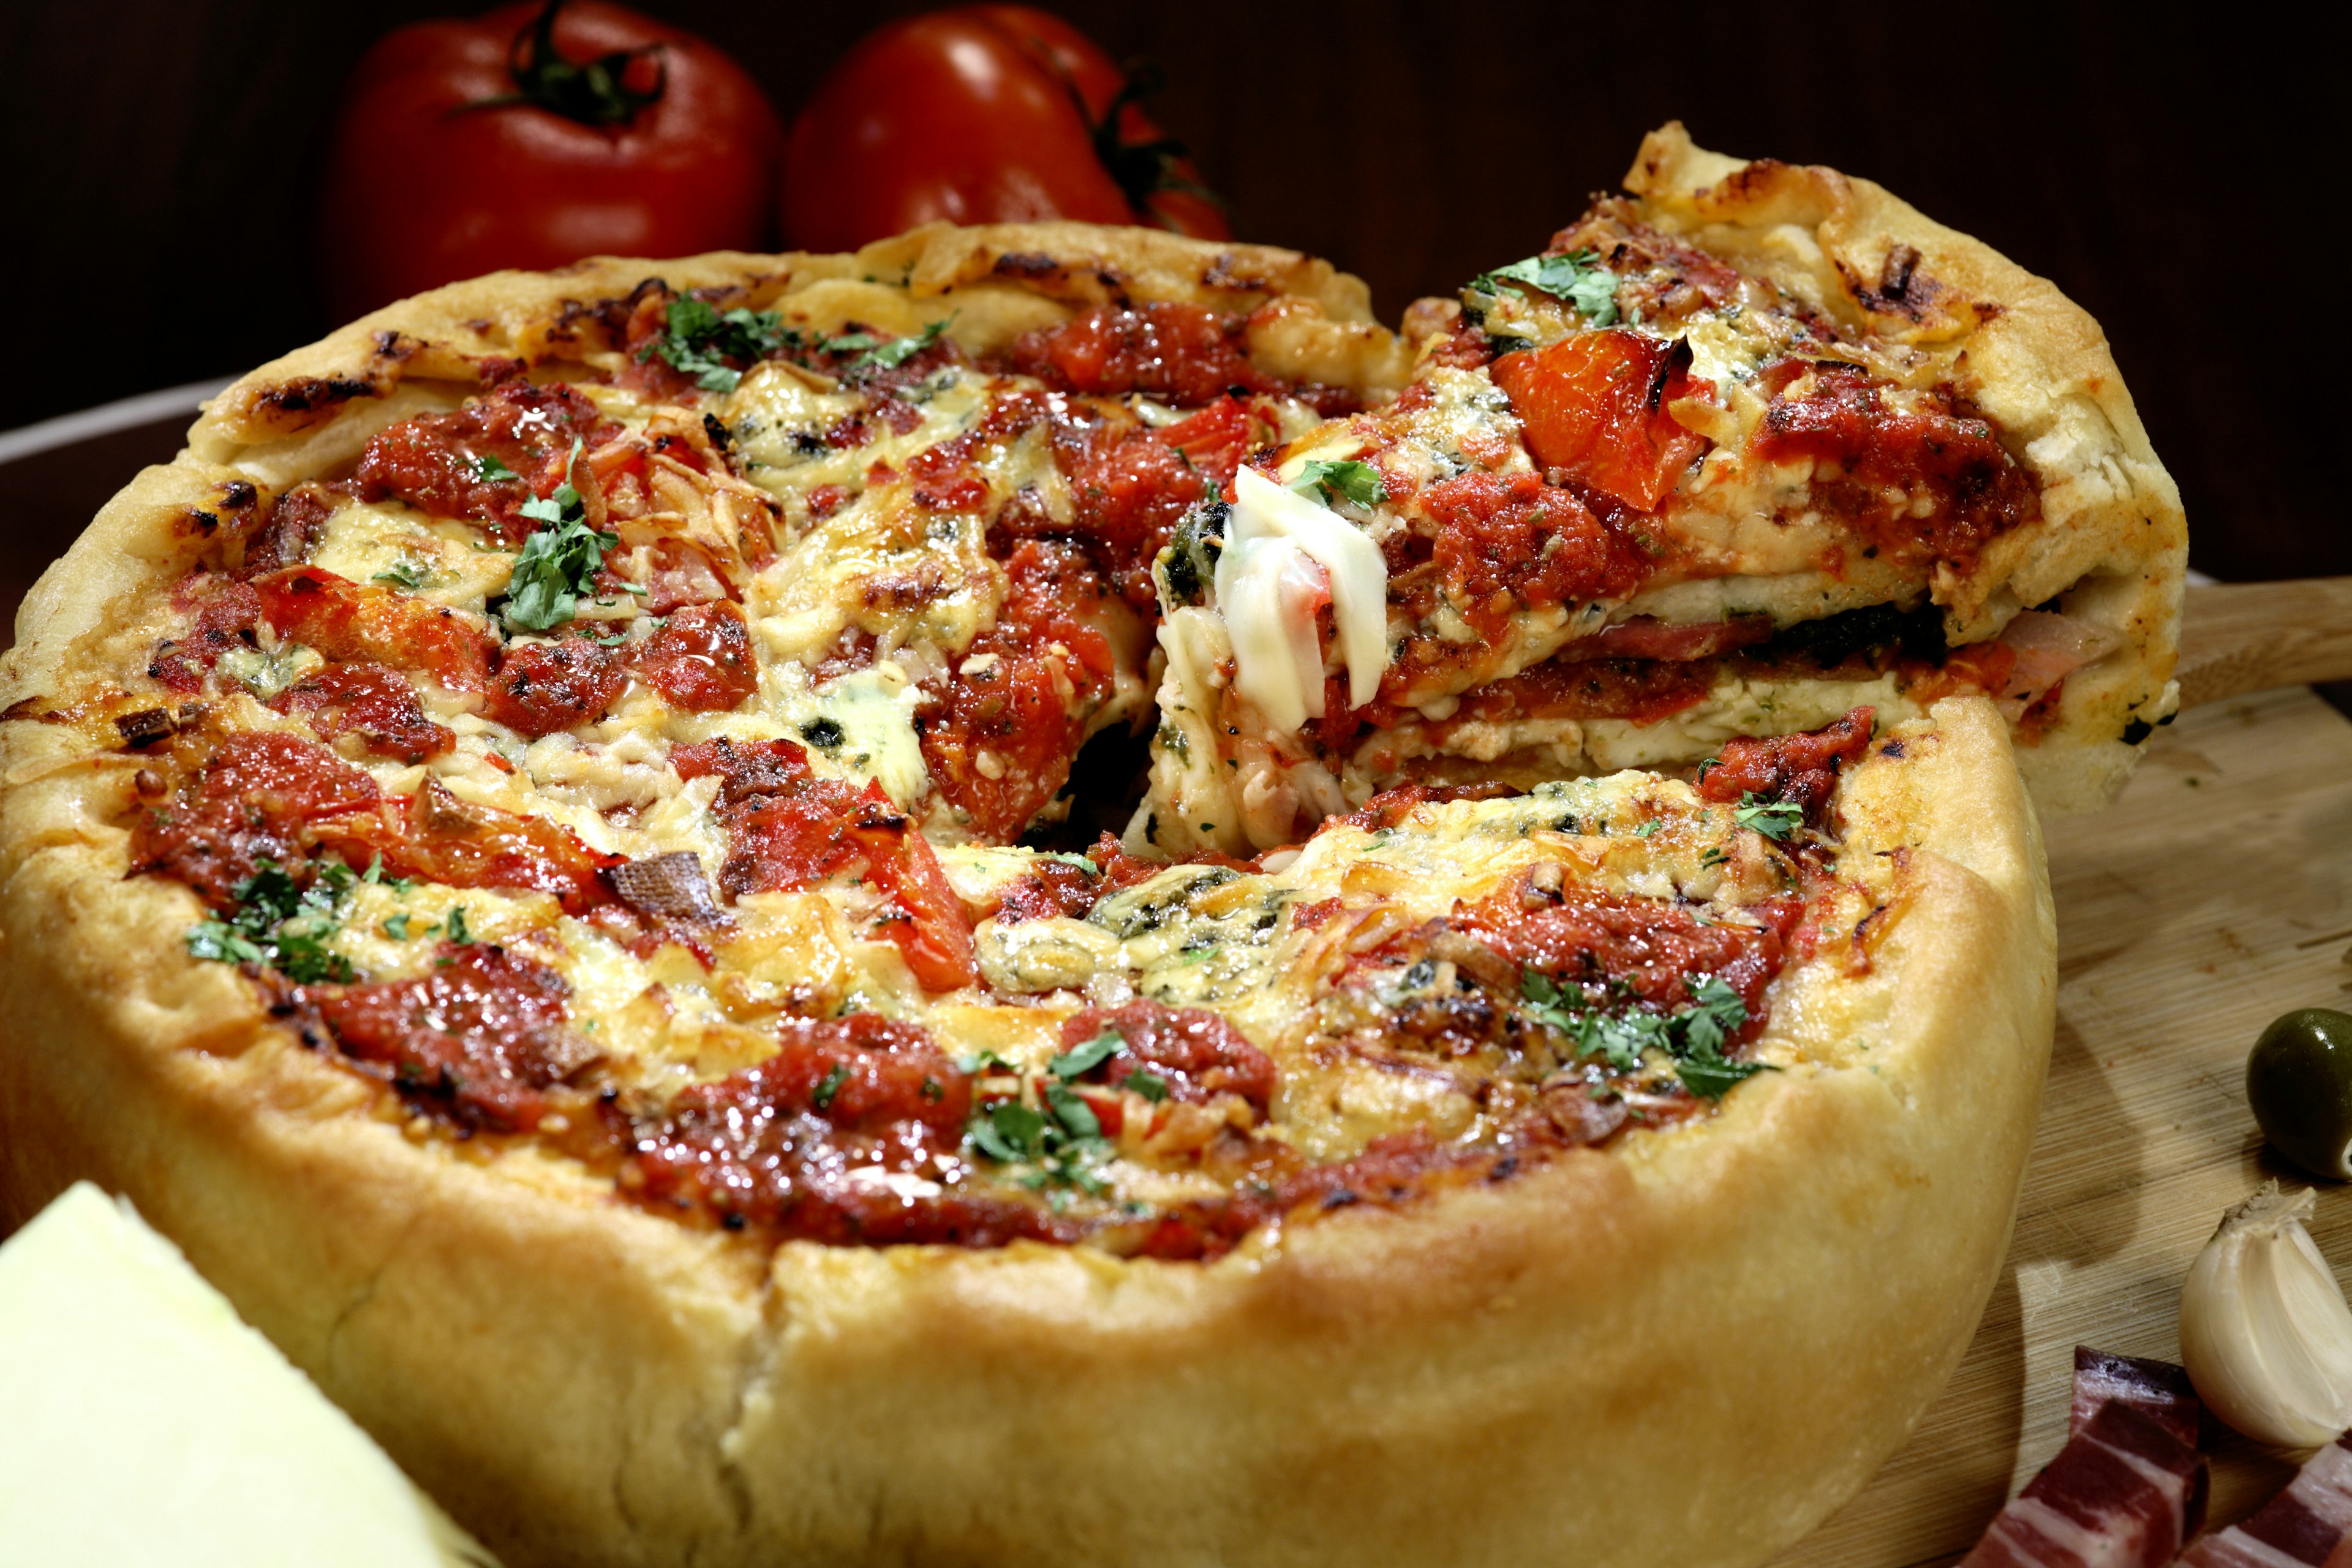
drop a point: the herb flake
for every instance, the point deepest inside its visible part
(1577, 278)
(701, 339)
(1347, 480)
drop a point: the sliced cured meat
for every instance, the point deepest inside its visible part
(2308, 1525)
(2123, 1493)
(2156, 1389)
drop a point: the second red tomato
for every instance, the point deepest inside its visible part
(987, 114)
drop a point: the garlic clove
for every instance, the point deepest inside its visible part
(2264, 1329)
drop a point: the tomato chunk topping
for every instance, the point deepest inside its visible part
(242, 799)
(1000, 739)
(1183, 353)
(357, 623)
(224, 611)
(1801, 768)
(371, 703)
(481, 1036)
(787, 829)
(481, 462)
(1617, 945)
(1593, 406)
(701, 659)
(543, 687)
(443, 840)
(1048, 889)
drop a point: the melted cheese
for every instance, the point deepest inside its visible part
(1262, 592)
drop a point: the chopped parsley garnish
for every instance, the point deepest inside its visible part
(489, 469)
(406, 573)
(978, 1062)
(700, 340)
(880, 353)
(282, 925)
(1646, 828)
(396, 927)
(1083, 1059)
(829, 1086)
(559, 563)
(1345, 480)
(1062, 1144)
(1692, 1038)
(1775, 819)
(455, 926)
(1150, 1085)
(1575, 278)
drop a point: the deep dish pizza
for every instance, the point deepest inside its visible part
(559, 852)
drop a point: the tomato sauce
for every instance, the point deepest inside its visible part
(1801, 769)
(480, 1036)
(1049, 888)
(290, 532)
(436, 461)
(788, 829)
(355, 623)
(1615, 946)
(700, 660)
(998, 741)
(225, 611)
(1877, 456)
(371, 703)
(241, 799)
(1183, 354)
(1195, 1053)
(1508, 541)
(771, 1147)
(542, 688)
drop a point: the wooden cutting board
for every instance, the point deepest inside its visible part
(2216, 894)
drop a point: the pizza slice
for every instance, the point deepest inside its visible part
(1737, 452)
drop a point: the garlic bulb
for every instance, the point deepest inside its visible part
(2264, 1329)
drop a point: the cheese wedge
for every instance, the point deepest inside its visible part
(147, 1425)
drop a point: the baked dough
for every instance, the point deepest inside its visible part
(1683, 1344)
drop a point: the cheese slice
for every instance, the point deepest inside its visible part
(142, 1423)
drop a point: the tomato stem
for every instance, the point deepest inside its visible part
(1140, 169)
(592, 92)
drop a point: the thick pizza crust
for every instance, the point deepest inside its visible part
(1683, 1352)
(2113, 538)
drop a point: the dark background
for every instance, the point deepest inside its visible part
(2177, 176)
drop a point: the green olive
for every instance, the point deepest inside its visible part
(2299, 1081)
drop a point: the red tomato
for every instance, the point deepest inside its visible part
(1594, 405)
(532, 136)
(985, 114)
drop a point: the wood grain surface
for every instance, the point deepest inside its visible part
(2214, 895)
(2237, 637)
